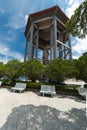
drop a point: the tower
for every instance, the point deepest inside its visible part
(46, 31)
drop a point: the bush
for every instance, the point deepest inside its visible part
(33, 69)
(33, 85)
(6, 82)
(58, 70)
(66, 87)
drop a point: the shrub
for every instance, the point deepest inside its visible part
(58, 70)
(33, 85)
(66, 87)
(6, 82)
(33, 69)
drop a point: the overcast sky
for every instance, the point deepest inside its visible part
(13, 16)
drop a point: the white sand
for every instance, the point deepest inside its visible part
(10, 100)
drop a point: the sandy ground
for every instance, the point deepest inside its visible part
(10, 100)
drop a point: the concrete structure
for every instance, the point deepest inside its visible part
(46, 30)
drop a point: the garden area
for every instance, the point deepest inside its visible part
(34, 73)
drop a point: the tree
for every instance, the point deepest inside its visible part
(77, 25)
(82, 67)
(12, 69)
(2, 69)
(59, 69)
(33, 69)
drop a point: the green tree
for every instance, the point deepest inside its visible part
(33, 69)
(82, 67)
(12, 69)
(2, 69)
(59, 69)
(77, 25)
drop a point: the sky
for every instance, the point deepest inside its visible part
(13, 18)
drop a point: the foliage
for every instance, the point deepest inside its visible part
(66, 87)
(33, 85)
(33, 69)
(22, 69)
(12, 69)
(2, 69)
(59, 69)
(82, 67)
(77, 25)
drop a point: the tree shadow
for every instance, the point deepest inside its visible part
(31, 117)
(76, 98)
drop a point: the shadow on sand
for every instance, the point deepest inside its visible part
(76, 98)
(31, 117)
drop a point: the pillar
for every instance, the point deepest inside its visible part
(26, 48)
(31, 42)
(70, 50)
(60, 46)
(51, 42)
(45, 55)
(37, 43)
(54, 37)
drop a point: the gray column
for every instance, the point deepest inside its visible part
(64, 52)
(51, 43)
(55, 36)
(60, 47)
(31, 42)
(32, 55)
(37, 43)
(26, 50)
(70, 50)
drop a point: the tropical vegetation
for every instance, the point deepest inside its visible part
(77, 25)
(56, 71)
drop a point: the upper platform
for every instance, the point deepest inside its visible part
(43, 19)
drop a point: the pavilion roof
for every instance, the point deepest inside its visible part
(43, 12)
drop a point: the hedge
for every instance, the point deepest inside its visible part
(33, 85)
(66, 87)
